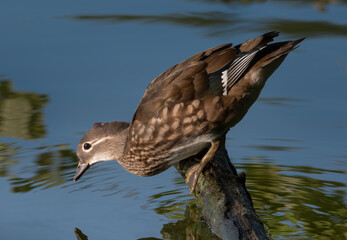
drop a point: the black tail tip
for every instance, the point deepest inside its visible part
(271, 34)
(296, 42)
(299, 40)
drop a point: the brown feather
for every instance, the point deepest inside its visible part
(188, 106)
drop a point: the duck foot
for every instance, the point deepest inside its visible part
(194, 171)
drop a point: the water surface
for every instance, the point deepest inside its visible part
(66, 65)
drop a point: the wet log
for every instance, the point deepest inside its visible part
(226, 204)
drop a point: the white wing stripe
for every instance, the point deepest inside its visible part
(238, 67)
(225, 77)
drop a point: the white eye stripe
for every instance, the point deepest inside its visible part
(100, 140)
(92, 143)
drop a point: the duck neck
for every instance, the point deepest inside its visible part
(119, 144)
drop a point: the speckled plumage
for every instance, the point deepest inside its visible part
(188, 107)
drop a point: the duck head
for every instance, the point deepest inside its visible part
(103, 142)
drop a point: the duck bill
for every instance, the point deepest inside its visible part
(81, 168)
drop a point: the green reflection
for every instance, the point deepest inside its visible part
(189, 227)
(274, 148)
(197, 19)
(7, 161)
(21, 117)
(149, 238)
(21, 113)
(172, 203)
(320, 5)
(295, 202)
(281, 101)
(305, 28)
(52, 168)
(227, 22)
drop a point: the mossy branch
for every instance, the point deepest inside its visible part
(226, 204)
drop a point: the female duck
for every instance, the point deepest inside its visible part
(187, 109)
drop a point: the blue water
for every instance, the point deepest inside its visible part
(93, 60)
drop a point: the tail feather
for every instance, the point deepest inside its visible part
(260, 58)
(248, 51)
(253, 55)
(274, 51)
(259, 42)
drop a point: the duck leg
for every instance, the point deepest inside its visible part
(194, 172)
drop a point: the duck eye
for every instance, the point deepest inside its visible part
(87, 146)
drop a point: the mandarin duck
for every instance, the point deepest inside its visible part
(187, 109)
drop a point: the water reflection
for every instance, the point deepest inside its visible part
(320, 5)
(179, 205)
(7, 161)
(189, 227)
(296, 201)
(52, 168)
(277, 144)
(274, 148)
(306, 28)
(293, 201)
(194, 19)
(171, 203)
(280, 101)
(22, 118)
(21, 113)
(227, 23)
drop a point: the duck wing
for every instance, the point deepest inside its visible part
(200, 76)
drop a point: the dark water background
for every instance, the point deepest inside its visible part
(67, 64)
